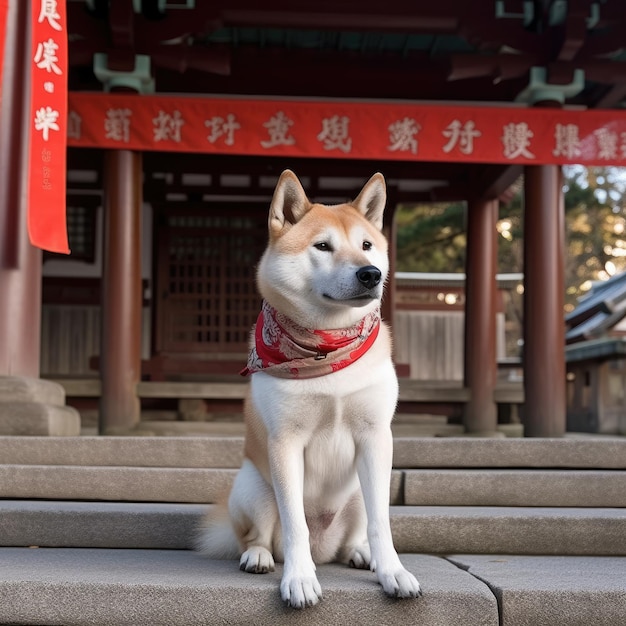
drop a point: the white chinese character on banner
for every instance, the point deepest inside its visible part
(46, 57)
(168, 126)
(566, 141)
(220, 126)
(607, 144)
(46, 120)
(516, 140)
(402, 135)
(117, 124)
(463, 135)
(48, 12)
(278, 129)
(73, 125)
(335, 133)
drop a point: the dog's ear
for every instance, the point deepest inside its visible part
(371, 200)
(289, 203)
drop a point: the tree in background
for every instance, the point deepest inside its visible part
(431, 237)
(596, 227)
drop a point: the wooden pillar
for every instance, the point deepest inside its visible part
(389, 230)
(120, 353)
(544, 326)
(480, 413)
(20, 263)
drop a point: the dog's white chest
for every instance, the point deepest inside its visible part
(329, 465)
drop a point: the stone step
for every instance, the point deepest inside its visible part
(553, 591)
(416, 529)
(189, 452)
(430, 487)
(170, 588)
(174, 587)
(131, 484)
(507, 487)
(226, 452)
(170, 428)
(134, 484)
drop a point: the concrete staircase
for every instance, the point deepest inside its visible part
(97, 530)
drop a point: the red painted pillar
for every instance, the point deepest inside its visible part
(20, 263)
(544, 326)
(120, 353)
(390, 231)
(480, 415)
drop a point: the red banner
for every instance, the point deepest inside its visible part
(4, 7)
(344, 129)
(48, 132)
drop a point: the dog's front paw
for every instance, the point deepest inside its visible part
(300, 591)
(359, 557)
(399, 584)
(257, 560)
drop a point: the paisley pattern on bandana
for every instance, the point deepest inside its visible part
(283, 349)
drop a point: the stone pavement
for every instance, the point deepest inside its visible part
(538, 590)
(175, 587)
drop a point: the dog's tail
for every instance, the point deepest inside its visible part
(216, 537)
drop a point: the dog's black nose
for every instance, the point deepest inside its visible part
(369, 276)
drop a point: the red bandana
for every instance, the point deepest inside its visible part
(284, 349)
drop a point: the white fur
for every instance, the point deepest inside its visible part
(314, 486)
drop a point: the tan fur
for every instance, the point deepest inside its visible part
(318, 219)
(314, 484)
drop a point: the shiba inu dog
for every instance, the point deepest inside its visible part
(314, 483)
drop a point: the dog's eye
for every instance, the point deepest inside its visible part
(324, 246)
(367, 245)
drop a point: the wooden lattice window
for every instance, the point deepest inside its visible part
(81, 229)
(207, 292)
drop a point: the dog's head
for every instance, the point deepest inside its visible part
(325, 266)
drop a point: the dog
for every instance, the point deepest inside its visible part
(314, 483)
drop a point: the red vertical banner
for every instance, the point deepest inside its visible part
(4, 7)
(48, 131)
